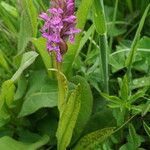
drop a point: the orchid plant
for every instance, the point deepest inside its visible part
(74, 75)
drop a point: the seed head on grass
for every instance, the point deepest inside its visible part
(59, 26)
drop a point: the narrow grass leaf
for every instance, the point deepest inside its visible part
(85, 38)
(28, 25)
(146, 108)
(135, 42)
(12, 10)
(147, 128)
(40, 44)
(3, 62)
(99, 17)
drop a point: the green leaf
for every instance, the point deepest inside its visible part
(12, 10)
(40, 43)
(113, 99)
(62, 88)
(134, 45)
(21, 88)
(99, 17)
(4, 117)
(82, 14)
(7, 143)
(41, 96)
(86, 106)
(3, 62)
(8, 92)
(28, 25)
(27, 59)
(134, 138)
(140, 82)
(125, 89)
(68, 119)
(140, 93)
(146, 108)
(48, 125)
(85, 38)
(147, 128)
(90, 140)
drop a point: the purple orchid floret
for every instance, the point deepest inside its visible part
(59, 26)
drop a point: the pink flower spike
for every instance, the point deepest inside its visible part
(59, 26)
(44, 16)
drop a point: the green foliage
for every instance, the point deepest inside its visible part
(41, 48)
(3, 61)
(99, 17)
(147, 128)
(134, 140)
(85, 108)
(28, 25)
(90, 140)
(27, 59)
(39, 96)
(16, 145)
(49, 105)
(132, 53)
(82, 14)
(68, 119)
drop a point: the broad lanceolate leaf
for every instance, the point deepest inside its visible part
(90, 140)
(68, 119)
(42, 93)
(134, 46)
(28, 25)
(72, 48)
(86, 106)
(7, 143)
(99, 17)
(27, 59)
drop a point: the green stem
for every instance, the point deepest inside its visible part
(62, 87)
(114, 19)
(130, 6)
(124, 124)
(104, 60)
